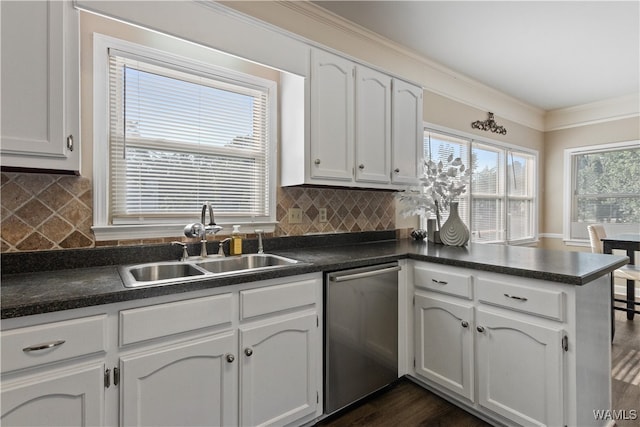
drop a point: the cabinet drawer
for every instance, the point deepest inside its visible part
(37, 345)
(531, 300)
(140, 324)
(434, 279)
(257, 302)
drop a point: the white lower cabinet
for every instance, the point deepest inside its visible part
(278, 372)
(505, 347)
(520, 369)
(511, 367)
(186, 384)
(444, 351)
(70, 397)
(249, 355)
(53, 372)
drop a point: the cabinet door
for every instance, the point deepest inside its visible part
(520, 369)
(278, 377)
(40, 85)
(444, 343)
(73, 397)
(407, 128)
(187, 384)
(373, 126)
(331, 153)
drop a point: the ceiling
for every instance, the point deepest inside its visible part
(549, 54)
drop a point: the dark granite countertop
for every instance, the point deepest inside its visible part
(36, 292)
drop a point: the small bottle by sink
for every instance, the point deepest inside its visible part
(235, 247)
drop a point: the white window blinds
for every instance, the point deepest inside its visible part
(180, 137)
(500, 201)
(438, 147)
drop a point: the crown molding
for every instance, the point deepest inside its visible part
(286, 16)
(592, 113)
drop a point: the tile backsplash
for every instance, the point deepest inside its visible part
(44, 211)
(348, 210)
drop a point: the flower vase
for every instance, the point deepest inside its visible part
(454, 232)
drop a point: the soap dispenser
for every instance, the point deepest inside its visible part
(236, 241)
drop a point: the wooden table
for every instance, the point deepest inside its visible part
(629, 242)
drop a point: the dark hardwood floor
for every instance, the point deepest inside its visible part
(407, 404)
(625, 367)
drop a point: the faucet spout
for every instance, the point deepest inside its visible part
(211, 227)
(260, 247)
(207, 206)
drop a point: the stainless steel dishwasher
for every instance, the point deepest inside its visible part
(361, 333)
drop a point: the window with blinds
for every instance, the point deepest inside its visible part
(180, 136)
(438, 147)
(604, 188)
(500, 201)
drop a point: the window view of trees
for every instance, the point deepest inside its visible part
(607, 188)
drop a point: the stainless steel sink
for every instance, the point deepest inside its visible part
(174, 272)
(245, 262)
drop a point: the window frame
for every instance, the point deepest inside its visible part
(569, 196)
(468, 195)
(103, 228)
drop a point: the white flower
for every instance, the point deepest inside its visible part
(439, 186)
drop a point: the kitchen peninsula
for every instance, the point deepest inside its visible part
(542, 316)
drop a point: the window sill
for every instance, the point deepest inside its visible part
(156, 231)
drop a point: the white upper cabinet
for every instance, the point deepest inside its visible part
(349, 125)
(331, 117)
(373, 126)
(40, 85)
(408, 133)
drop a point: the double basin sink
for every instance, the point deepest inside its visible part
(173, 272)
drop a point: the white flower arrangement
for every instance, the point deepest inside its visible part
(439, 186)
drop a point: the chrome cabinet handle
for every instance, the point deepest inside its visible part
(465, 324)
(70, 142)
(480, 329)
(230, 358)
(397, 170)
(515, 297)
(43, 346)
(439, 282)
(248, 351)
(361, 166)
(316, 161)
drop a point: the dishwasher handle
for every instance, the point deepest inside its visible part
(354, 276)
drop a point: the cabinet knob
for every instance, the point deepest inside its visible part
(465, 324)
(230, 358)
(316, 161)
(248, 351)
(397, 170)
(480, 329)
(361, 166)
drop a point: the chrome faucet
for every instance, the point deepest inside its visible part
(260, 247)
(221, 246)
(212, 227)
(199, 229)
(185, 253)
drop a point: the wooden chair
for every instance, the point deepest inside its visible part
(631, 273)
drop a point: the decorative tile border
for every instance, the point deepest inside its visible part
(43, 212)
